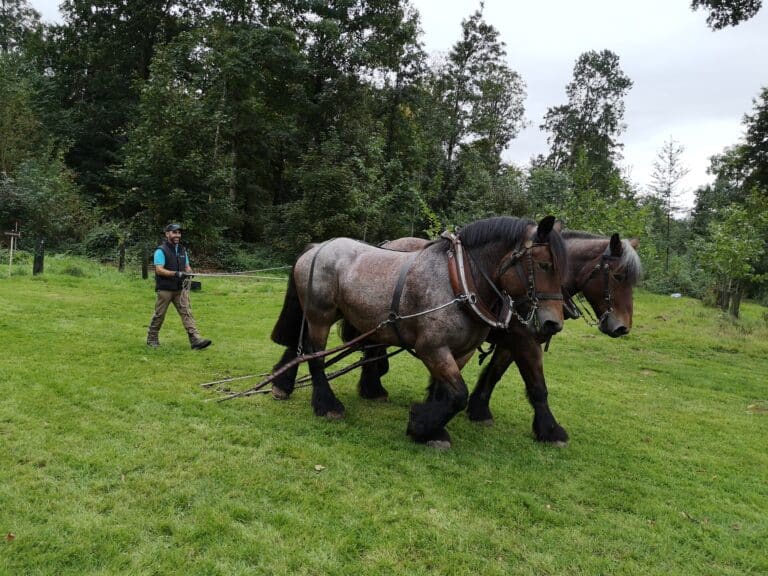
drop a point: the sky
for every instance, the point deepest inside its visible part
(691, 84)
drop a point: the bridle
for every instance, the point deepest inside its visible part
(464, 285)
(532, 294)
(603, 265)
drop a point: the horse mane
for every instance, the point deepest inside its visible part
(510, 232)
(630, 260)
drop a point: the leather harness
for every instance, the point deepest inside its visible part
(464, 285)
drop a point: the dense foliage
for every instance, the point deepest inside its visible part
(269, 125)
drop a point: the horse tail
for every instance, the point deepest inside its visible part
(288, 326)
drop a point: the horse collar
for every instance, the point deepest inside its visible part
(464, 287)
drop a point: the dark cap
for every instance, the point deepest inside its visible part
(172, 227)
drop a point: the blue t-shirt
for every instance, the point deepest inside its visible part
(160, 257)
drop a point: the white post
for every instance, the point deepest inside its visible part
(10, 257)
(13, 235)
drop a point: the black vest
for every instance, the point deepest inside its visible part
(173, 262)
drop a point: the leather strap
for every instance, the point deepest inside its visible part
(463, 285)
(394, 310)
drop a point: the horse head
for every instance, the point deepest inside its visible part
(531, 275)
(608, 286)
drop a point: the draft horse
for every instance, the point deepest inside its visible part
(603, 269)
(440, 302)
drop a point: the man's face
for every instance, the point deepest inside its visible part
(174, 236)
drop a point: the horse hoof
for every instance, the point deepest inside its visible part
(556, 442)
(439, 444)
(380, 399)
(332, 415)
(279, 394)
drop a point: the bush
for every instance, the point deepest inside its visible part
(42, 195)
(103, 242)
(238, 257)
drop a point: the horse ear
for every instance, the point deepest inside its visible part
(558, 227)
(634, 242)
(616, 246)
(545, 227)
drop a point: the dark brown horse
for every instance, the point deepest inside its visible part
(412, 300)
(603, 269)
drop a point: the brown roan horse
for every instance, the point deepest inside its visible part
(603, 269)
(414, 300)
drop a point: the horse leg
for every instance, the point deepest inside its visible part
(479, 409)
(283, 385)
(447, 396)
(370, 386)
(528, 356)
(433, 387)
(324, 401)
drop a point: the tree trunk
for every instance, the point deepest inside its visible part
(723, 295)
(735, 304)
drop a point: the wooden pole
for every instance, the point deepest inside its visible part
(37, 266)
(13, 234)
(10, 257)
(121, 255)
(144, 263)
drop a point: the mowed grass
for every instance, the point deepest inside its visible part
(113, 459)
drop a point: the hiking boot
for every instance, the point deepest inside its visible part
(200, 343)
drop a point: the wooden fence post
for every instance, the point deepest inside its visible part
(144, 263)
(39, 261)
(121, 255)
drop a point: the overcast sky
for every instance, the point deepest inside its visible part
(690, 83)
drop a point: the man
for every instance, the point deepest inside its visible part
(171, 269)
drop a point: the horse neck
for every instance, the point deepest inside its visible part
(582, 253)
(487, 258)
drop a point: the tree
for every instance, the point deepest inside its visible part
(173, 167)
(728, 188)
(17, 21)
(20, 129)
(479, 103)
(36, 187)
(724, 13)
(592, 120)
(729, 206)
(754, 156)
(99, 60)
(735, 248)
(668, 172)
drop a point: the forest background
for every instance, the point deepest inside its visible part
(262, 126)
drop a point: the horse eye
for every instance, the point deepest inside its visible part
(546, 266)
(618, 277)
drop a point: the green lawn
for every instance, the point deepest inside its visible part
(113, 460)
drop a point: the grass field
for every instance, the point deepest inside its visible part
(113, 460)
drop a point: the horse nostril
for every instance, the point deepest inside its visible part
(621, 331)
(550, 328)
